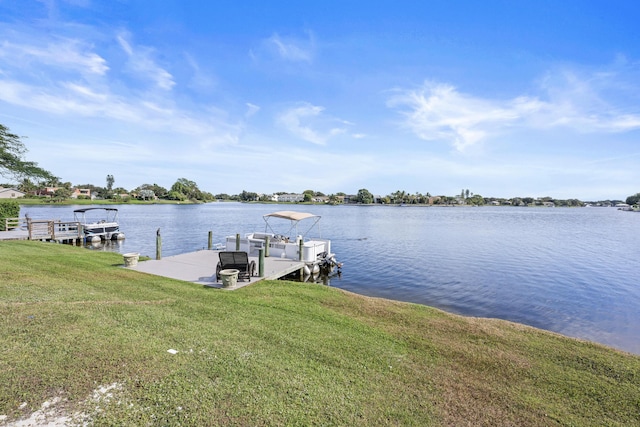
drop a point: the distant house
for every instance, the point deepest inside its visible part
(289, 197)
(48, 191)
(10, 193)
(81, 192)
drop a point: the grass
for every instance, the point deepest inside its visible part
(279, 353)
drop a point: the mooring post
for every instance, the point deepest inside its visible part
(237, 241)
(266, 246)
(261, 262)
(210, 239)
(158, 245)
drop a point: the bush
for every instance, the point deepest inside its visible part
(8, 209)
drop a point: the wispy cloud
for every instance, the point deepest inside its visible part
(143, 65)
(439, 112)
(72, 79)
(292, 49)
(60, 53)
(308, 122)
(72, 99)
(251, 109)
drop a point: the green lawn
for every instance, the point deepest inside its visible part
(279, 353)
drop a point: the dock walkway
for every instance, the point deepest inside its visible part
(200, 267)
(16, 234)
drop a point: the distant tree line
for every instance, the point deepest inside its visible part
(31, 179)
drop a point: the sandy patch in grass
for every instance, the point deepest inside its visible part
(52, 413)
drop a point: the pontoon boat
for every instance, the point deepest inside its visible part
(316, 252)
(96, 226)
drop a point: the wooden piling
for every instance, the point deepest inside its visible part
(237, 241)
(261, 262)
(210, 239)
(266, 246)
(158, 245)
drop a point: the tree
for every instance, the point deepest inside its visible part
(248, 196)
(146, 194)
(156, 189)
(476, 200)
(187, 188)
(364, 196)
(61, 193)
(27, 186)
(633, 200)
(12, 164)
(110, 181)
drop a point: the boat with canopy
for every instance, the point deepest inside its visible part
(99, 223)
(287, 235)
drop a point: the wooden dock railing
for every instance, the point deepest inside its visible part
(54, 230)
(13, 223)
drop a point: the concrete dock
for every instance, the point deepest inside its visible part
(200, 267)
(15, 234)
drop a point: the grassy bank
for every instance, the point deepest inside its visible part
(279, 353)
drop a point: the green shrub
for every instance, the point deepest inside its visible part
(8, 209)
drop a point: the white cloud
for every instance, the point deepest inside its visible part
(142, 63)
(583, 103)
(439, 112)
(61, 53)
(201, 79)
(69, 99)
(308, 122)
(290, 49)
(251, 109)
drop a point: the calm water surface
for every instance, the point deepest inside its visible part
(572, 271)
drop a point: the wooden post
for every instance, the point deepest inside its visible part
(210, 239)
(237, 241)
(266, 246)
(261, 262)
(158, 245)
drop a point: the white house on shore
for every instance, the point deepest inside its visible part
(292, 198)
(10, 193)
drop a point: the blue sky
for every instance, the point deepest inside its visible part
(504, 98)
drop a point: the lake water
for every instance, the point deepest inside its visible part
(572, 271)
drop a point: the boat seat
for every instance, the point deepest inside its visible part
(236, 260)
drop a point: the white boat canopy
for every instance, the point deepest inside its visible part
(291, 215)
(294, 217)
